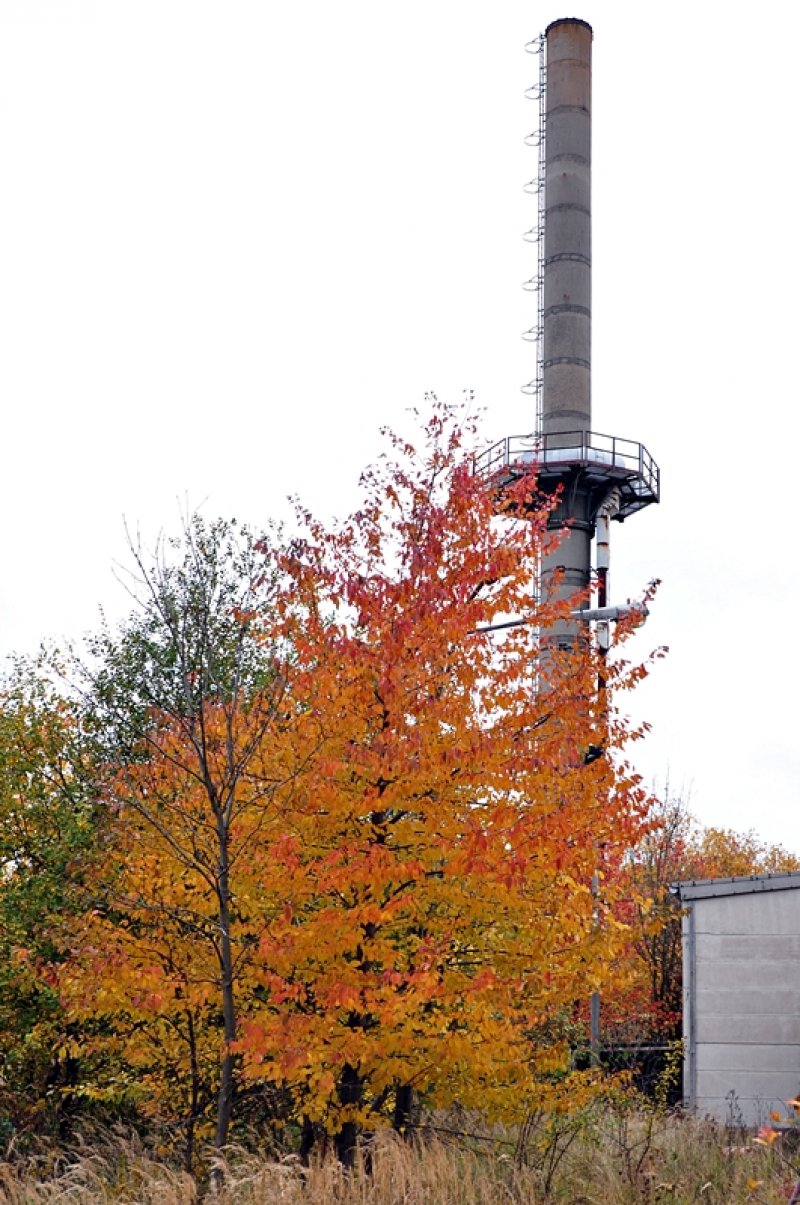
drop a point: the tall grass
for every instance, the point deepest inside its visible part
(615, 1157)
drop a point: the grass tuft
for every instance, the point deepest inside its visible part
(615, 1155)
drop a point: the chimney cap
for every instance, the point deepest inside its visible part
(568, 21)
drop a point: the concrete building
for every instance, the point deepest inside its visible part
(741, 995)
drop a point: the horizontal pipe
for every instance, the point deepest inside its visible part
(588, 615)
(612, 614)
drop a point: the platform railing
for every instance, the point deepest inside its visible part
(571, 448)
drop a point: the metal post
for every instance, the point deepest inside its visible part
(605, 514)
(594, 999)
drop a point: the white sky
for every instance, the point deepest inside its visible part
(237, 237)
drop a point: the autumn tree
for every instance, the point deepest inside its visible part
(48, 812)
(445, 824)
(352, 862)
(180, 702)
(714, 853)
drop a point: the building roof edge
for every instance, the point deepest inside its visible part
(698, 889)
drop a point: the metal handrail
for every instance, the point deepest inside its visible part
(579, 447)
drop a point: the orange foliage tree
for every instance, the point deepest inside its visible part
(439, 921)
(413, 825)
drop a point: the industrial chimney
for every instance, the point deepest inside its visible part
(567, 282)
(596, 477)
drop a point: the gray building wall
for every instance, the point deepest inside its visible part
(741, 950)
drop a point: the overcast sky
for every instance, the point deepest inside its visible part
(237, 237)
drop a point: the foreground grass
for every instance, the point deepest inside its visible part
(613, 1158)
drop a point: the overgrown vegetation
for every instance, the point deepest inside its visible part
(337, 852)
(614, 1153)
(309, 848)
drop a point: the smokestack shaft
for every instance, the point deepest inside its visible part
(566, 401)
(567, 303)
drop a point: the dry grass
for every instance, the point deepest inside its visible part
(617, 1157)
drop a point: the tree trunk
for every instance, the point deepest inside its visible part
(225, 1097)
(351, 1087)
(405, 1107)
(308, 1138)
(194, 1100)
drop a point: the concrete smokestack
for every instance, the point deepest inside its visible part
(567, 302)
(567, 308)
(589, 473)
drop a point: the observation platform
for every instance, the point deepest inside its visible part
(599, 461)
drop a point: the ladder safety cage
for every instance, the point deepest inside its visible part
(536, 187)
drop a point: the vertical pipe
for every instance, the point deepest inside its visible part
(605, 514)
(689, 1014)
(594, 999)
(603, 565)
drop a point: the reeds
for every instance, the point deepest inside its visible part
(613, 1156)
